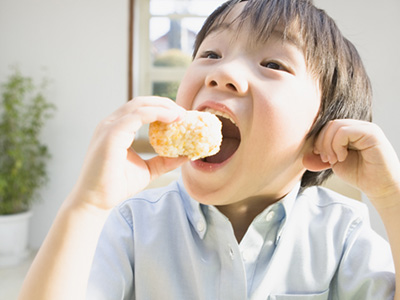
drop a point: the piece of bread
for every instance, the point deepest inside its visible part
(197, 135)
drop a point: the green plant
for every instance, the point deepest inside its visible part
(23, 157)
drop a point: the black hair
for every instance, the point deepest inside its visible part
(332, 59)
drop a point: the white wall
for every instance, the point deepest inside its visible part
(82, 47)
(373, 26)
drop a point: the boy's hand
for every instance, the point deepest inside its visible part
(112, 171)
(360, 154)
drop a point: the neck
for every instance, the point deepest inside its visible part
(242, 214)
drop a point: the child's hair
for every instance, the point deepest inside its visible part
(335, 63)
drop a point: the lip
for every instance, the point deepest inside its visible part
(218, 107)
(212, 167)
(209, 167)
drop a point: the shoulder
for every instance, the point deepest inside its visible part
(151, 203)
(154, 195)
(326, 200)
(322, 210)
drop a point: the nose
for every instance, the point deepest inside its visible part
(229, 76)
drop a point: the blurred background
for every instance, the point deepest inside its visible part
(83, 48)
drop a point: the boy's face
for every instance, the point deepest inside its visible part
(267, 90)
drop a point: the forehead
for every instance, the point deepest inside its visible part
(243, 35)
(258, 24)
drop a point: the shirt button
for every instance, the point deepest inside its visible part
(270, 216)
(246, 255)
(200, 226)
(231, 252)
(269, 243)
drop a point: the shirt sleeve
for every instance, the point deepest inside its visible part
(112, 275)
(366, 270)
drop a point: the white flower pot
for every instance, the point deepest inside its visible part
(14, 234)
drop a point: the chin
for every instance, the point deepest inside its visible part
(205, 188)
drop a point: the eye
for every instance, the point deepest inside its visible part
(273, 65)
(210, 55)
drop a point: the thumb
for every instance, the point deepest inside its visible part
(160, 165)
(312, 162)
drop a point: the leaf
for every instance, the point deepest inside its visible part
(23, 157)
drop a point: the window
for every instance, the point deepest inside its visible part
(164, 36)
(161, 43)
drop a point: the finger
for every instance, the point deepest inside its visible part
(160, 165)
(339, 136)
(149, 114)
(312, 162)
(359, 136)
(322, 145)
(342, 140)
(124, 129)
(152, 101)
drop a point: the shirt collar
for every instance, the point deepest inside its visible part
(194, 210)
(287, 203)
(196, 216)
(289, 199)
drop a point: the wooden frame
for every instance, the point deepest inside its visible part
(130, 48)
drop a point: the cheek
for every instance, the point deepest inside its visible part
(299, 112)
(188, 89)
(182, 98)
(283, 125)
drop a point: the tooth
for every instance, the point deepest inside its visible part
(220, 113)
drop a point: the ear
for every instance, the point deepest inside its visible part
(312, 162)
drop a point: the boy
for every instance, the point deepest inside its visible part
(247, 223)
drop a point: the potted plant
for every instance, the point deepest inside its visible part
(23, 158)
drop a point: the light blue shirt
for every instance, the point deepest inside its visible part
(316, 244)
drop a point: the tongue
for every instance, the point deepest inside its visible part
(228, 147)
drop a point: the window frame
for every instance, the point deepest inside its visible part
(143, 73)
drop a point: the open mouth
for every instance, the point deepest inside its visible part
(230, 139)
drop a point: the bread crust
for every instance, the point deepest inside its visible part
(196, 136)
